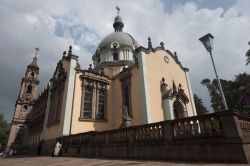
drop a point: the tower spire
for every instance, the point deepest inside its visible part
(34, 64)
(24, 104)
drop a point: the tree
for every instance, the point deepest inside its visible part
(230, 89)
(214, 93)
(200, 108)
(248, 55)
(4, 130)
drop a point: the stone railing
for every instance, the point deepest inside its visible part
(149, 132)
(222, 136)
(199, 126)
(244, 122)
(192, 127)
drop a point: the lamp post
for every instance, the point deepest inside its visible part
(207, 41)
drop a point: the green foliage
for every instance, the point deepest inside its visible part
(200, 108)
(248, 56)
(4, 130)
(230, 89)
(213, 89)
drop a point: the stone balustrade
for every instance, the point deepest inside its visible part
(222, 136)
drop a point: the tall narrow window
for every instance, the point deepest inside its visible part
(115, 56)
(87, 110)
(126, 97)
(101, 105)
(29, 89)
(56, 104)
(59, 102)
(126, 94)
(52, 108)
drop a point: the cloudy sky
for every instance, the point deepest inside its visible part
(52, 24)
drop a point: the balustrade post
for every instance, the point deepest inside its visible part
(230, 124)
(130, 134)
(168, 129)
(107, 137)
(70, 140)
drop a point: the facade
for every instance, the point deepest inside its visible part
(129, 85)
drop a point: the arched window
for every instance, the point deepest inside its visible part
(115, 56)
(101, 105)
(29, 89)
(87, 110)
(32, 74)
(25, 107)
(179, 111)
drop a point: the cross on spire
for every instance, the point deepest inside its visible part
(37, 50)
(118, 10)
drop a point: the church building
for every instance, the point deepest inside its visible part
(128, 85)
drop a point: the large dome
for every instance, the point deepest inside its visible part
(116, 49)
(124, 39)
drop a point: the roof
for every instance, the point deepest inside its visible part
(121, 37)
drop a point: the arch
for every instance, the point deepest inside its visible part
(29, 89)
(179, 110)
(32, 74)
(25, 107)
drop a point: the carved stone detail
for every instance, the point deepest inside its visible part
(126, 119)
(177, 93)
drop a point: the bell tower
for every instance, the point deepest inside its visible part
(24, 103)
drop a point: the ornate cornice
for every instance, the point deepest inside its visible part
(154, 50)
(113, 64)
(91, 75)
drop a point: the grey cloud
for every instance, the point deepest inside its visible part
(50, 25)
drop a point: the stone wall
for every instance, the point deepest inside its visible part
(217, 137)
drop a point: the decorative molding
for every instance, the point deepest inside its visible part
(96, 82)
(154, 50)
(93, 120)
(113, 64)
(177, 93)
(166, 59)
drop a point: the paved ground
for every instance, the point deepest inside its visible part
(69, 161)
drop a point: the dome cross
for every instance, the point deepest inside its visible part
(118, 10)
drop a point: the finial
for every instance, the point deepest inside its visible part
(163, 80)
(102, 71)
(118, 24)
(90, 67)
(149, 43)
(118, 10)
(179, 86)
(37, 49)
(70, 50)
(175, 55)
(162, 45)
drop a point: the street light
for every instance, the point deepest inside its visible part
(207, 41)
